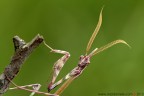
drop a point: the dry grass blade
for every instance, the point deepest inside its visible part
(95, 32)
(109, 45)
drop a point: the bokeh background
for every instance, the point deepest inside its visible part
(68, 25)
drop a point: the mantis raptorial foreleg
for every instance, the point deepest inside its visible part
(61, 80)
(58, 65)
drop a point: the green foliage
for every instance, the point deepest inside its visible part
(68, 25)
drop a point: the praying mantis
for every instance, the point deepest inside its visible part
(84, 61)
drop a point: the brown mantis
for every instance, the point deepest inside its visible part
(84, 61)
(82, 64)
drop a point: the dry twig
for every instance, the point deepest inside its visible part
(22, 51)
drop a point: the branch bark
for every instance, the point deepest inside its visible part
(22, 51)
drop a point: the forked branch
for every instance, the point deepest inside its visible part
(22, 51)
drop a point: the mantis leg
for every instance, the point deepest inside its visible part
(68, 76)
(58, 65)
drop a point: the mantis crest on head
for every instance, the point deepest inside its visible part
(82, 64)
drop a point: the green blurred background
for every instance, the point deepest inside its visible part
(68, 25)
